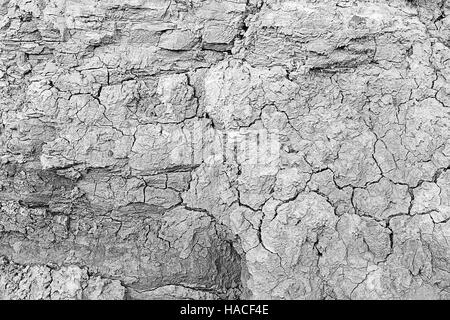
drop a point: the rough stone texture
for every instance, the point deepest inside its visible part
(117, 179)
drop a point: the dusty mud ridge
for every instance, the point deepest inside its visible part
(122, 175)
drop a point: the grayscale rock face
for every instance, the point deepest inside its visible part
(202, 149)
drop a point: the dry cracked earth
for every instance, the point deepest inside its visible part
(235, 149)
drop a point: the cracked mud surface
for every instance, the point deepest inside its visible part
(120, 174)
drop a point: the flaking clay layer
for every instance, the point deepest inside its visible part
(235, 149)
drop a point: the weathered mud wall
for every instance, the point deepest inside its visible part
(224, 149)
